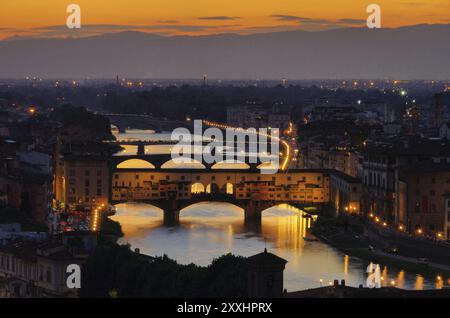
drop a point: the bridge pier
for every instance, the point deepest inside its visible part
(171, 208)
(253, 211)
(141, 149)
(171, 218)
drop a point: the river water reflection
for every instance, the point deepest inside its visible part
(208, 230)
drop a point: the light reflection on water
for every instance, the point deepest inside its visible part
(208, 230)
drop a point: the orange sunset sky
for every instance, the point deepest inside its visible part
(47, 18)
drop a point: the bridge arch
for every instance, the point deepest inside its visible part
(211, 208)
(227, 164)
(270, 166)
(197, 188)
(135, 164)
(285, 206)
(183, 163)
(136, 215)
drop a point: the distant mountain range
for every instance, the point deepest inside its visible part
(416, 52)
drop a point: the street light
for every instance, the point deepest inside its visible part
(32, 110)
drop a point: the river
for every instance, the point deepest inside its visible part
(209, 230)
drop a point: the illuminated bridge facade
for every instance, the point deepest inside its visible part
(173, 189)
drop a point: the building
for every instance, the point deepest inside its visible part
(345, 193)
(81, 180)
(303, 186)
(344, 159)
(251, 116)
(26, 178)
(423, 203)
(33, 269)
(336, 113)
(330, 153)
(381, 162)
(31, 193)
(444, 131)
(265, 275)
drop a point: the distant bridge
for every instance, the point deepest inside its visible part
(164, 161)
(125, 121)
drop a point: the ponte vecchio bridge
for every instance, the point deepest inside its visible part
(157, 180)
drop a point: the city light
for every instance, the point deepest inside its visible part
(96, 217)
(287, 157)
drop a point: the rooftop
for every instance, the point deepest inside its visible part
(266, 258)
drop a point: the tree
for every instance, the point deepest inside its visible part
(130, 274)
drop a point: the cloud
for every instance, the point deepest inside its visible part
(97, 29)
(271, 28)
(168, 21)
(219, 18)
(352, 21)
(316, 23)
(282, 17)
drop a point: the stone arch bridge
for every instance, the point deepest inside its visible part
(173, 189)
